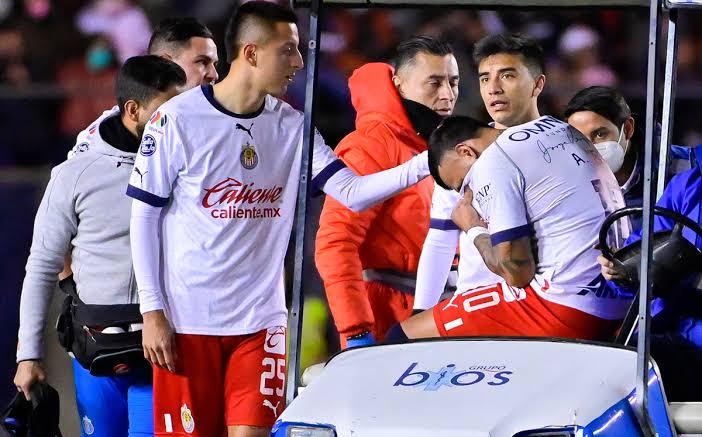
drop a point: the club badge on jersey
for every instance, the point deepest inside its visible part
(249, 157)
(186, 418)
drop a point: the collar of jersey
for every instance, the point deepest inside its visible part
(208, 91)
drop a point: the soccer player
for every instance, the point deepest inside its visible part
(384, 242)
(511, 78)
(533, 204)
(184, 41)
(85, 212)
(215, 200)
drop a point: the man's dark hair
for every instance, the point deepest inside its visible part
(142, 78)
(254, 13)
(450, 132)
(408, 49)
(175, 34)
(515, 44)
(602, 100)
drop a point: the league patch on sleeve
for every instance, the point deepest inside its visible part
(159, 119)
(148, 145)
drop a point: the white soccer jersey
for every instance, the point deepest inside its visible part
(472, 271)
(229, 186)
(545, 180)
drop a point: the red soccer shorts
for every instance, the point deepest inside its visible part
(221, 381)
(501, 311)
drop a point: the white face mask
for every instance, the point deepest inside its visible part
(613, 152)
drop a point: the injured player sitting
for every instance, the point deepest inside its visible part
(534, 198)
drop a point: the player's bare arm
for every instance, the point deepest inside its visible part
(512, 260)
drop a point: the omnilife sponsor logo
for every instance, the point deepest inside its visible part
(233, 199)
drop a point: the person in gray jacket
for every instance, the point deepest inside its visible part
(85, 211)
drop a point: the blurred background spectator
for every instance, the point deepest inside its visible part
(58, 60)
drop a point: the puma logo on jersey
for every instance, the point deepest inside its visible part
(248, 131)
(141, 175)
(274, 408)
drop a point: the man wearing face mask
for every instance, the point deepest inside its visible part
(368, 260)
(86, 213)
(603, 116)
(96, 71)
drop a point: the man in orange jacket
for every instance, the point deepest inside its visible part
(368, 260)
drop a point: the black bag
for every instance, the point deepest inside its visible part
(38, 418)
(80, 326)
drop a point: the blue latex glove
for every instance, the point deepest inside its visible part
(364, 340)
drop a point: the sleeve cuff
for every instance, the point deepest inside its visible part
(510, 234)
(443, 225)
(150, 301)
(323, 176)
(31, 352)
(146, 197)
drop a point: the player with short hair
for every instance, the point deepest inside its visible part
(533, 204)
(511, 77)
(84, 212)
(190, 44)
(368, 260)
(214, 205)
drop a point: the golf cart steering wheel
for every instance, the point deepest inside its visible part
(673, 256)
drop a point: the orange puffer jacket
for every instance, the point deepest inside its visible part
(389, 235)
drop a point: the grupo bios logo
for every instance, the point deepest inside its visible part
(450, 376)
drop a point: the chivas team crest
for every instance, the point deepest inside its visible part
(187, 420)
(249, 157)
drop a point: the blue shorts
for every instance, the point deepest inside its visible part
(114, 406)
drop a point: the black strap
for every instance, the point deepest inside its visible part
(90, 314)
